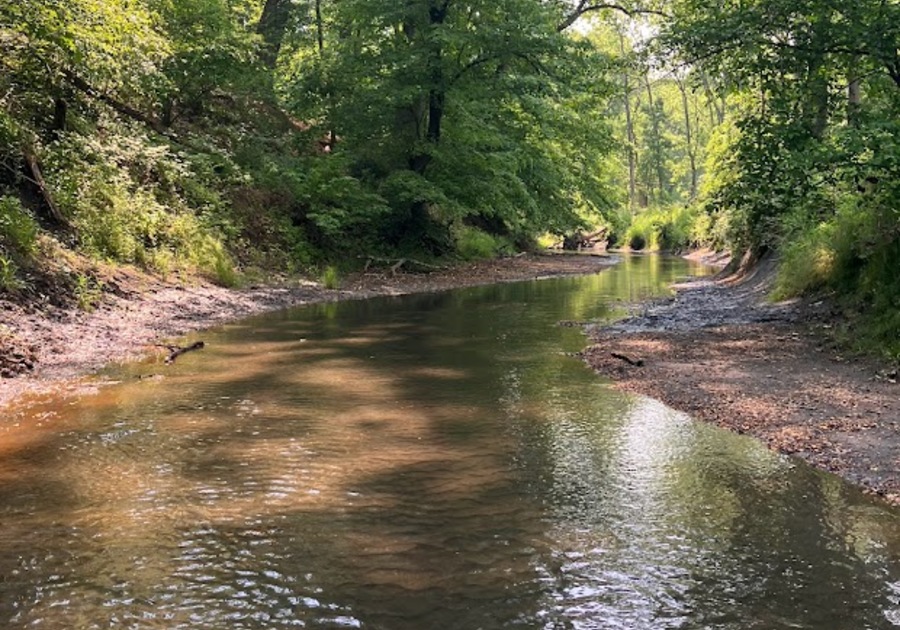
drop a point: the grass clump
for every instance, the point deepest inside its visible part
(330, 278)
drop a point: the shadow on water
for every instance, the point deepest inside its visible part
(433, 461)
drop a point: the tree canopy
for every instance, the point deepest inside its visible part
(279, 133)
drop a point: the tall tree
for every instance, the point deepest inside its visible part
(459, 111)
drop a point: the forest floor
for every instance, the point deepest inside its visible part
(721, 352)
(717, 351)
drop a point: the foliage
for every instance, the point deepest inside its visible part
(669, 228)
(124, 195)
(474, 244)
(18, 229)
(88, 291)
(330, 278)
(809, 160)
(18, 243)
(449, 113)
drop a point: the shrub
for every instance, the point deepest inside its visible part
(330, 278)
(18, 228)
(672, 228)
(473, 244)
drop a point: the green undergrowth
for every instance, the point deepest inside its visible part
(854, 256)
(18, 242)
(668, 228)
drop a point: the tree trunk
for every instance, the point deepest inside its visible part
(657, 133)
(629, 130)
(689, 137)
(60, 116)
(120, 107)
(437, 93)
(272, 26)
(715, 106)
(854, 92)
(37, 179)
(320, 31)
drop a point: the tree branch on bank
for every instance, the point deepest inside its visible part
(177, 351)
(398, 263)
(627, 359)
(122, 108)
(37, 178)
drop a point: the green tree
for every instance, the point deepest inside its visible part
(481, 112)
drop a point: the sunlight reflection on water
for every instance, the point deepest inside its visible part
(427, 462)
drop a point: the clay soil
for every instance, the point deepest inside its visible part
(722, 353)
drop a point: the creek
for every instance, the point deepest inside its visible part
(435, 461)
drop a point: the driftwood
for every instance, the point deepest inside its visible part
(397, 263)
(627, 359)
(177, 351)
(580, 240)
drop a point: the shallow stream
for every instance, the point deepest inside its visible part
(427, 462)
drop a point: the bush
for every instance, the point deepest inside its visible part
(17, 227)
(473, 244)
(127, 201)
(674, 228)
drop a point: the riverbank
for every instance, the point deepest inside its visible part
(723, 354)
(50, 347)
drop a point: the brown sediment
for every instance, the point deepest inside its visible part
(49, 346)
(719, 352)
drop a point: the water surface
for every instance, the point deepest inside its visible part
(426, 462)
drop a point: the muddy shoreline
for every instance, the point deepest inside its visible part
(720, 352)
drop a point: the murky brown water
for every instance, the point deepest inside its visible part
(430, 462)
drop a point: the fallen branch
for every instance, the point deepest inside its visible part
(38, 180)
(122, 108)
(627, 359)
(177, 351)
(397, 263)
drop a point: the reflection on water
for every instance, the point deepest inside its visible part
(434, 461)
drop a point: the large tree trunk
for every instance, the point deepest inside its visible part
(437, 93)
(272, 26)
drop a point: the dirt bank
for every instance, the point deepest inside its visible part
(719, 352)
(50, 346)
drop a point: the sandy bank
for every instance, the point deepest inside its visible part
(721, 353)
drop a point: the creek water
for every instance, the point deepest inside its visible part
(427, 462)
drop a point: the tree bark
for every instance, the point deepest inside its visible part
(629, 131)
(689, 137)
(37, 178)
(437, 93)
(272, 26)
